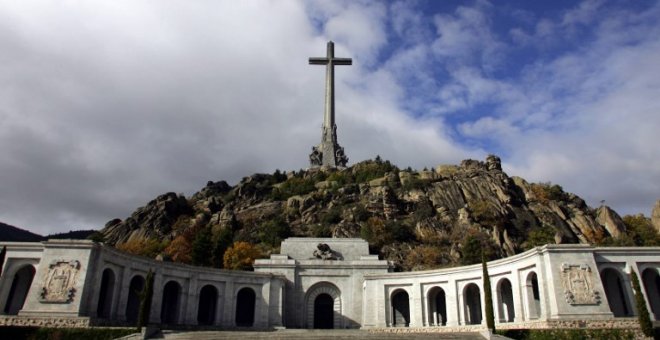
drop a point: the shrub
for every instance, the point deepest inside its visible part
(366, 171)
(143, 247)
(241, 256)
(293, 186)
(360, 213)
(273, 231)
(484, 213)
(540, 236)
(547, 191)
(474, 246)
(180, 249)
(423, 257)
(332, 216)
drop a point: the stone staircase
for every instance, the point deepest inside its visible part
(294, 334)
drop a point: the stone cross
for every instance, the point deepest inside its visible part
(329, 152)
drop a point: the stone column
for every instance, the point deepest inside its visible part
(157, 298)
(453, 302)
(191, 301)
(229, 302)
(415, 306)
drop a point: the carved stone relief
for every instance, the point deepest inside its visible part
(578, 284)
(60, 281)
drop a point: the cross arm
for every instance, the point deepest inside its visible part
(342, 61)
(318, 61)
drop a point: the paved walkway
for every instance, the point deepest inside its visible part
(294, 334)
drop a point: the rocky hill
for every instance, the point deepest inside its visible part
(418, 219)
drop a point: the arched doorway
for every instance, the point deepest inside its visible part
(133, 303)
(472, 297)
(20, 286)
(169, 311)
(533, 296)
(104, 307)
(437, 307)
(651, 281)
(324, 312)
(615, 292)
(323, 302)
(505, 307)
(208, 300)
(245, 301)
(400, 309)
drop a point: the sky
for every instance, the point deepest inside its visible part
(105, 105)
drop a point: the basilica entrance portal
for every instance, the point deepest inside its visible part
(324, 312)
(324, 306)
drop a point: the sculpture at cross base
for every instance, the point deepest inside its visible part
(329, 153)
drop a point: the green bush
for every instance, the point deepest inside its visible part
(366, 171)
(293, 186)
(273, 231)
(332, 216)
(642, 312)
(540, 236)
(569, 334)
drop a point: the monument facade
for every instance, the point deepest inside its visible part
(326, 283)
(329, 153)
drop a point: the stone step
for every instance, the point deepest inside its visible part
(293, 334)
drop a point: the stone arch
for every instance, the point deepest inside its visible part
(533, 296)
(651, 281)
(472, 298)
(324, 290)
(400, 302)
(437, 302)
(245, 307)
(20, 287)
(133, 302)
(615, 292)
(505, 308)
(169, 311)
(208, 302)
(104, 306)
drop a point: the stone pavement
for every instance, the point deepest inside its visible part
(294, 334)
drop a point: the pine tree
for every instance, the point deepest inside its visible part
(145, 300)
(202, 248)
(640, 303)
(224, 239)
(488, 296)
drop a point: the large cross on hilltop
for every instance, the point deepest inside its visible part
(329, 153)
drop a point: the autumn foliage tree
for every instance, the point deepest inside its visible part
(180, 249)
(143, 247)
(241, 256)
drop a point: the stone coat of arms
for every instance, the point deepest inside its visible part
(60, 281)
(578, 285)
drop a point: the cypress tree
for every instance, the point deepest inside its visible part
(488, 296)
(640, 303)
(145, 300)
(3, 253)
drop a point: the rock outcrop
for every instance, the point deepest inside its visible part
(396, 210)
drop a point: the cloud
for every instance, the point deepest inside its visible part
(104, 105)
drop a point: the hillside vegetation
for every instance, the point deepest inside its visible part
(418, 219)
